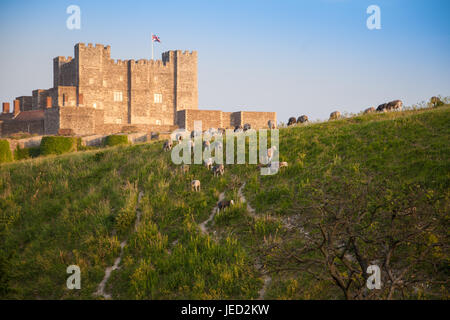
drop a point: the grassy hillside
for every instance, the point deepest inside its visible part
(371, 189)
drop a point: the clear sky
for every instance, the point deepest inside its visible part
(293, 57)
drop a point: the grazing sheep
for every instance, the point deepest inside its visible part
(225, 204)
(247, 126)
(291, 121)
(393, 105)
(436, 102)
(283, 164)
(218, 170)
(195, 185)
(185, 168)
(208, 163)
(369, 110)
(272, 124)
(167, 145)
(302, 119)
(238, 129)
(335, 115)
(206, 145)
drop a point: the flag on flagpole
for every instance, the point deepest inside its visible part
(155, 38)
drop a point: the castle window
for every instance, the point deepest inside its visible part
(118, 96)
(157, 98)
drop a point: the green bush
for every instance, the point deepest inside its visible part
(26, 153)
(5, 152)
(116, 139)
(58, 145)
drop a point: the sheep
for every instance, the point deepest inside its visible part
(206, 145)
(393, 105)
(302, 119)
(436, 102)
(195, 133)
(369, 110)
(195, 185)
(208, 163)
(238, 129)
(247, 126)
(291, 121)
(167, 145)
(218, 170)
(223, 204)
(335, 115)
(221, 131)
(283, 164)
(271, 152)
(272, 124)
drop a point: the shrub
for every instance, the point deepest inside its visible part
(26, 153)
(116, 139)
(5, 151)
(58, 145)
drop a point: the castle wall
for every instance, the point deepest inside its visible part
(15, 126)
(257, 120)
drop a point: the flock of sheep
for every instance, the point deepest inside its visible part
(393, 105)
(385, 107)
(218, 169)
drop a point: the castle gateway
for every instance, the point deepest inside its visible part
(94, 94)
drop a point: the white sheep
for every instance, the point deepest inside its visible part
(195, 185)
(208, 163)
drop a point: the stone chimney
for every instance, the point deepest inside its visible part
(16, 107)
(48, 102)
(5, 107)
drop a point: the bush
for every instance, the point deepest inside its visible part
(5, 151)
(58, 145)
(116, 139)
(26, 153)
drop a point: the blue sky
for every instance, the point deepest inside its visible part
(293, 57)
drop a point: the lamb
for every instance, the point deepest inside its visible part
(223, 204)
(208, 163)
(335, 115)
(283, 164)
(167, 145)
(195, 185)
(247, 126)
(218, 170)
(291, 121)
(272, 124)
(302, 119)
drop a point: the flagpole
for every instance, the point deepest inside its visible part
(151, 39)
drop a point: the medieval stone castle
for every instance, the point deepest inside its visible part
(94, 94)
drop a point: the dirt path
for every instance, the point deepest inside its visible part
(211, 216)
(101, 287)
(258, 265)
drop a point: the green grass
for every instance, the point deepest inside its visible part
(76, 209)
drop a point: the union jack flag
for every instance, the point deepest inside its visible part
(155, 38)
